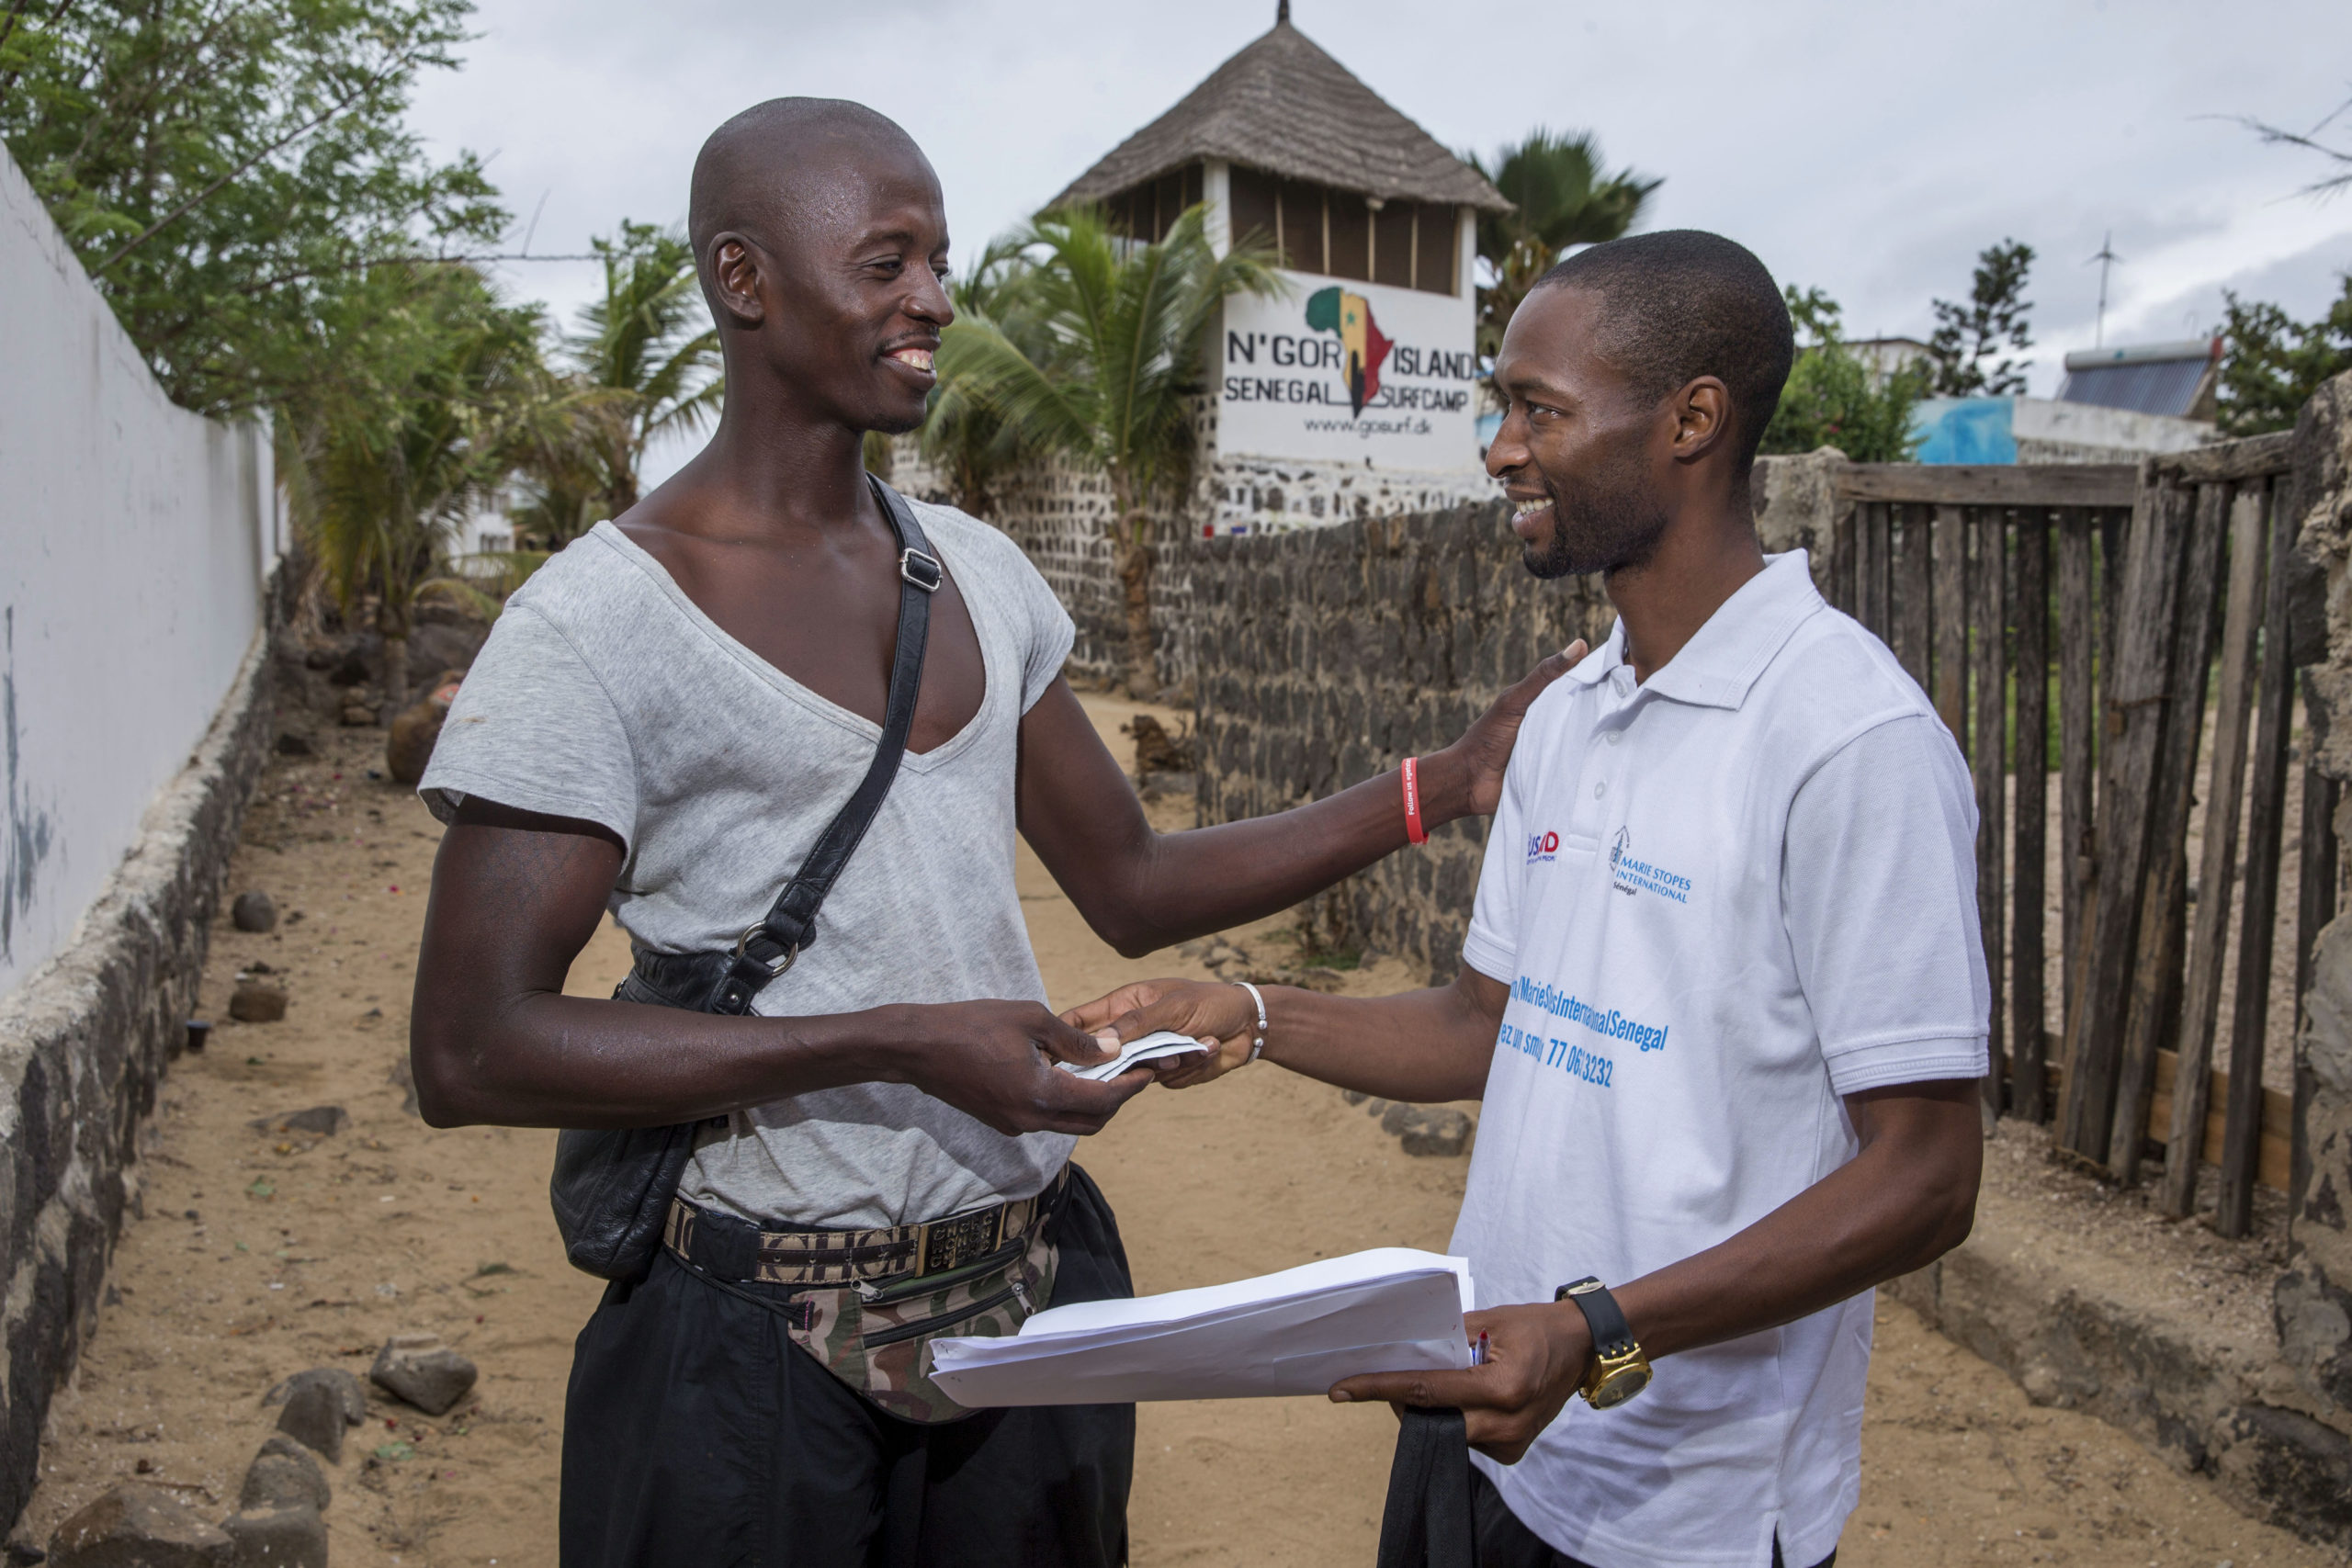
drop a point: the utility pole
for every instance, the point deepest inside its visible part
(2107, 259)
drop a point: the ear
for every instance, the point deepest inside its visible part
(735, 278)
(1702, 419)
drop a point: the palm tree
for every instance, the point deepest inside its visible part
(967, 443)
(1100, 357)
(386, 472)
(1560, 199)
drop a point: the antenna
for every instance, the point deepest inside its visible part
(2107, 260)
(1282, 12)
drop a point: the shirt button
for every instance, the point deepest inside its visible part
(1599, 790)
(1616, 736)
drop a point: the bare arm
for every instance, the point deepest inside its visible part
(1905, 1199)
(1142, 890)
(492, 1038)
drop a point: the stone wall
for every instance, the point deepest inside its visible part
(83, 1042)
(1324, 655)
(2313, 1298)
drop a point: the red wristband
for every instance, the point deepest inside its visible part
(1414, 830)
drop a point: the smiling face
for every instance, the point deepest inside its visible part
(1581, 453)
(832, 279)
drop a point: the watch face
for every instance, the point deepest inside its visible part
(1619, 1386)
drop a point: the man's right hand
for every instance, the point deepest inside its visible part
(994, 1061)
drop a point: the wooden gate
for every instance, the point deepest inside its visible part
(2156, 583)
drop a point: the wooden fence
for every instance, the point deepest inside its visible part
(2146, 578)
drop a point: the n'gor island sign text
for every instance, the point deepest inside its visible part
(1352, 372)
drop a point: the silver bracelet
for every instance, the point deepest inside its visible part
(1257, 1044)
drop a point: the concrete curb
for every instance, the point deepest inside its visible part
(2208, 1391)
(83, 1043)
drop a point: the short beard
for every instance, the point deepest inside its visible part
(1606, 525)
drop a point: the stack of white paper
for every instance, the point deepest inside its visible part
(1389, 1310)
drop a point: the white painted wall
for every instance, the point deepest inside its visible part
(135, 538)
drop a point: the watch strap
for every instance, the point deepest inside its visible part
(1611, 1336)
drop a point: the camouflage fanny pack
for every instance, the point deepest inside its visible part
(867, 1305)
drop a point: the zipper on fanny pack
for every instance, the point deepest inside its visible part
(872, 1294)
(876, 1340)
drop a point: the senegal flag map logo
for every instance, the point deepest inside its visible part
(1350, 317)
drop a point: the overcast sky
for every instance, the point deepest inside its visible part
(1870, 149)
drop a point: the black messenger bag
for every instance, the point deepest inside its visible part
(612, 1188)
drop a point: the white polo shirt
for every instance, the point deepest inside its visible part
(1722, 899)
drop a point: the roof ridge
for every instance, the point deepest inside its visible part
(1249, 111)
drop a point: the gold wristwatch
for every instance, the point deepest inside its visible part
(1619, 1370)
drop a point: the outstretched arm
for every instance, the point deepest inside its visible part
(493, 1039)
(1142, 890)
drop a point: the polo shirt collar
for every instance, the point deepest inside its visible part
(1723, 660)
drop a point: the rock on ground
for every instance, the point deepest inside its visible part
(278, 1538)
(254, 911)
(314, 1417)
(131, 1527)
(256, 1003)
(325, 1121)
(350, 1398)
(423, 1370)
(284, 1476)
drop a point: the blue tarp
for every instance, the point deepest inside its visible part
(1965, 430)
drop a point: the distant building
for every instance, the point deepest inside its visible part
(1885, 355)
(2115, 405)
(1356, 393)
(2172, 380)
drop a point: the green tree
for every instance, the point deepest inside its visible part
(966, 442)
(1992, 320)
(2271, 364)
(1560, 199)
(228, 171)
(1835, 398)
(391, 467)
(647, 352)
(1103, 362)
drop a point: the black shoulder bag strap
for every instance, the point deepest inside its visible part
(766, 949)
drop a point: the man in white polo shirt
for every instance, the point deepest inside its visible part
(1724, 993)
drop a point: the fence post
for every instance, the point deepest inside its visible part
(1989, 528)
(2136, 684)
(2155, 977)
(1912, 614)
(2028, 990)
(2224, 796)
(2250, 1022)
(2078, 617)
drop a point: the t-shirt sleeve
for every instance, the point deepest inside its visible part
(534, 728)
(1879, 882)
(1050, 630)
(1492, 947)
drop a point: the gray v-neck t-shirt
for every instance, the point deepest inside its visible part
(603, 693)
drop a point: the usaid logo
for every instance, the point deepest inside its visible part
(1543, 846)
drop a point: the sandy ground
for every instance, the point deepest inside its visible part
(258, 1256)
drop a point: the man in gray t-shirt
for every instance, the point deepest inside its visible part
(661, 725)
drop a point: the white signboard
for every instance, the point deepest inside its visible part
(1349, 371)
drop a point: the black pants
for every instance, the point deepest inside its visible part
(697, 1433)
(1504, 1542)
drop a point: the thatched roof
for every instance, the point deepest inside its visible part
(1284, 105)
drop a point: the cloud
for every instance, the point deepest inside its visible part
(1870, 149)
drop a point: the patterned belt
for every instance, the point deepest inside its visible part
(739, 1250)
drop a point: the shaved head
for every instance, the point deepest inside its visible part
(785, 163)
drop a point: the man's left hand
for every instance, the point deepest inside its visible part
(1536, 1357)
(1467, 778)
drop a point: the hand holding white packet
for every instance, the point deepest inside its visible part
(1297, 1332)
(1143, 1048)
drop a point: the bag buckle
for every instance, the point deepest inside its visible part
(923, 570)
(775, 965)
